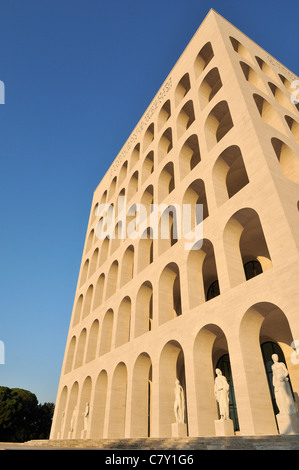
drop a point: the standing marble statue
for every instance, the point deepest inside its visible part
(73, 419)
(282, 389)
(179, 403)
(86, 415)
(221, 390)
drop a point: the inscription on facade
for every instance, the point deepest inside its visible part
(289, 75)
(150, 112)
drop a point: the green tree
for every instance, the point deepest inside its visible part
(21, 416)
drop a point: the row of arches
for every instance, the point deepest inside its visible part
(267, 112)
(262, 65)
(247, 256)
(219, 120)
(135, 399)
(229, 176)
(185, 118)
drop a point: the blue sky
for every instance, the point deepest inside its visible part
(78, 76)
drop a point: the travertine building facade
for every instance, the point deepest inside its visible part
(221, 132)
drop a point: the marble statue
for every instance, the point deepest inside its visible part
(73, 419)
(282, 389)
(179, 403)
(86, 415)
(221, 390)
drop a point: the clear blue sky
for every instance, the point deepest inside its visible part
(78, 76)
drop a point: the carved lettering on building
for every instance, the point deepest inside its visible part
(148, 115)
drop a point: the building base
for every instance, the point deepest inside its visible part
(224, 427)
(288, 424)
(179, 430)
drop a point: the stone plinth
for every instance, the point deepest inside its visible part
(288, 424)
(224, 427)
(179, 430)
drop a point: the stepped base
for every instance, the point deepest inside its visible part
(275, 442)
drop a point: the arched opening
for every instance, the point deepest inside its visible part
(127, 271)
(194, 196)
(170, 305)
(133, 185)
(169, 228)
(80, 349)
(253, 77)
(288, 160)
(294, 127)
(106, 333)
(229, 174)
(165, 144)
(99, 290)
(268, 114)
(166, 181)
(99, 406)
(147, 167)
(72, 413)
(83, 422)
(89, 241)
(84, 273)
(265, 68)
(263, 324)
(148, 136)
(60, 415)
(209, 87)
(218, 123)
(144, 309)
(145, 250)
(202, 274)
(240, 49)
(203, 58)
(92, 341)
(70, 355)
(117, 415)
(112, 279)
(182, 88)
(185, 118)
(112, 187)
(93, 262)
(135, 156)
(104, 250)
(123, 173)
(281, 97)
(189, 156)
(87, 302)
(123, 322)
(78, 310)
(141, 397)
(244, 241)
(209, 346)
(171, 368)
(164, 114)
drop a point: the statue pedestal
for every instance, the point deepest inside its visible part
(224, 427)
(288, 424)
(179, 430)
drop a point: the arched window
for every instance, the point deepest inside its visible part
(252, 268)
(213, 290)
